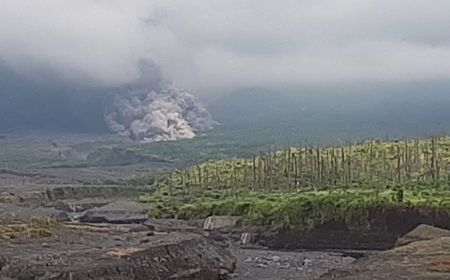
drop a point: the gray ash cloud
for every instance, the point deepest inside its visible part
(151, 109)
(149, 116)
(146, 109)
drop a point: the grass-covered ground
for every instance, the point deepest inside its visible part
(370, 162)
(45, 149)
(300, 209)
(306, 186)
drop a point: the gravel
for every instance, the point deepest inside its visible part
(276, 265)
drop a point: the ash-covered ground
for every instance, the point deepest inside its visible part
(73, 180)
(40, 178)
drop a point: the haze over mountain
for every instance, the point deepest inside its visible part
(347, 114)
(366, 65)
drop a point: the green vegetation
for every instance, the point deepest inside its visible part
(379, 163)
(305, 186)
(302, 209)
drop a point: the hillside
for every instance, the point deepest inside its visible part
(328, 114)
(305, 187)
(371, 162)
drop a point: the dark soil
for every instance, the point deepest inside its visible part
(380, 231)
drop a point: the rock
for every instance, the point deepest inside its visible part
(422, 232)
(61, 217)
(427, 258)
(246, 238)
(224, 274)
(276, 258)
(284, 266)
(120, 212)
(220, 222)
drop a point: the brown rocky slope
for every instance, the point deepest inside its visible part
(426, 256)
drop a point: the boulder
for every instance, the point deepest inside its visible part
(424, 254)
(422, 232)
(220, 222)
(120, 212)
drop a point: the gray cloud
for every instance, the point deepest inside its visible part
(210, 46)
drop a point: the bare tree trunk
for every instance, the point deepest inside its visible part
(399, 172)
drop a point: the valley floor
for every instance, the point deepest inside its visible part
(98, 226)
(101, 225)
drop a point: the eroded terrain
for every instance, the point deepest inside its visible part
(65, 219)
(101, 229)
(114, 252)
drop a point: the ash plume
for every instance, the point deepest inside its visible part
(151, 110)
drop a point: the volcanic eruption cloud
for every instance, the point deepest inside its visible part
(151, 110)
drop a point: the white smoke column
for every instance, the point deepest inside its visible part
(169, 114)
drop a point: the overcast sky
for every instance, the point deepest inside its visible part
(210, 46)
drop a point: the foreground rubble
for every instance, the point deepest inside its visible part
(274, 265)
(83, 251)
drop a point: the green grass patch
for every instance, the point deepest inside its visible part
(372, 162)
(306, 186)
(302, 209)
